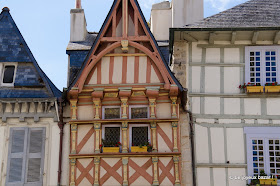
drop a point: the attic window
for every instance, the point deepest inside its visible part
(9, 72)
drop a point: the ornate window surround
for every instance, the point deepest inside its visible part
(104, 107)
(139, 106)
(138, 125)
(112, 125)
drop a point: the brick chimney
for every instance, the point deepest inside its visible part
(78, 30)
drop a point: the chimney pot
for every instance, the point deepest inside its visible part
(78, 4)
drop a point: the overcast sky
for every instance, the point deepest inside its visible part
(45, 26)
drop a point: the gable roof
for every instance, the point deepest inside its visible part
(13, 48)
(102, 30)
(254, 13)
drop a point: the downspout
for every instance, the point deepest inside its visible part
(184, 105)
(61, 124)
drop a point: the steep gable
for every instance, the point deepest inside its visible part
(125, 53)
(30, 80)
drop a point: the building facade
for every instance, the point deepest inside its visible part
(230, 64)
(125, 121)
(29, 113)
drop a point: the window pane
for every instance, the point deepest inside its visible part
(112, 136)
(139, 112)
(9, 74)
(258, 159)
(270, 57)
(274, 157)
(139, 136)
(112, 113)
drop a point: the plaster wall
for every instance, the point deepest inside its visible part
(163, 110)
(85, 112)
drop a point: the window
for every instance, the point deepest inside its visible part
(111, 112)
(139, 134)
(262, 65)
(26, 157)
(111, 134)
(263, 150)
(139, 112)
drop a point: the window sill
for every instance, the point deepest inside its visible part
(132, 154)
(104, 121)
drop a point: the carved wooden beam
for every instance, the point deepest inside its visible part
(255, 37)
(233, 37)
(277, 37)
(212, 38)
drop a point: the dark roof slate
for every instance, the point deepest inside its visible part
(254, 13)
(83, 45)
(13, 48)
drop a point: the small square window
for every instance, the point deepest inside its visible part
(111, 135)
(111, 112)
(8, 76)
(139, 112)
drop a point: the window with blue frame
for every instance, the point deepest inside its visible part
(262, 65)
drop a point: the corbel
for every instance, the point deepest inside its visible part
(97, 96)
(124, 94)
(152, 94)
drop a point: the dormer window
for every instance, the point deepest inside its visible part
(8, 74)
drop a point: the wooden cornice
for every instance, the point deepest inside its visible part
(104, 121)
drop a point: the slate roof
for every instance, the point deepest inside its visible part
(30, 80)
(83, 45)
(254, 13)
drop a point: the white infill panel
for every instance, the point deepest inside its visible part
(235, 145)
(217, 141)
(201, 140)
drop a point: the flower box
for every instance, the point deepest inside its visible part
(272, 181)
(272, 89)
(139, 149)
(254, 89)
(111, 149)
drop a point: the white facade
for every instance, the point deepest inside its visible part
(229, 121)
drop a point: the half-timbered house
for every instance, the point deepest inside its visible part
(125, 121)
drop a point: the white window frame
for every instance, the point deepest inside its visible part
(138, 125)
(104, 107)
(262, 49)
(264, 133)
(111, 125)
(139, 106)
(2, 74)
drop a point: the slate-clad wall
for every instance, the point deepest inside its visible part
(23, 93)
(27, 75)
(11, 48)
(76, 59)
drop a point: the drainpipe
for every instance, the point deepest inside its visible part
(61, 127)
(184, 103)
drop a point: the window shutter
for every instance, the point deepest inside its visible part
(35, 159)
(16, 156)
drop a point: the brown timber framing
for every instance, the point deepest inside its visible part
(103, 121)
